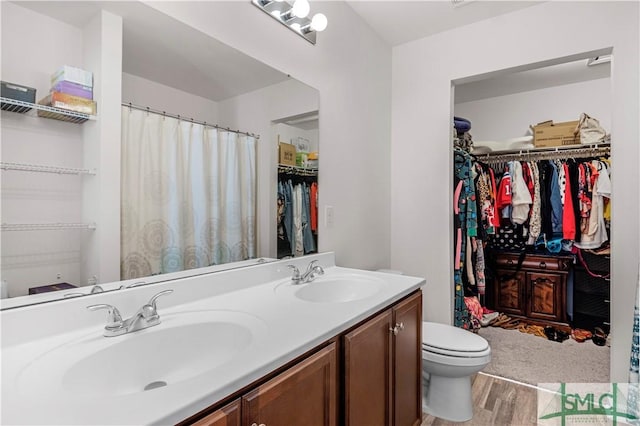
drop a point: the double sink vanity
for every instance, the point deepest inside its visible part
(265, 345)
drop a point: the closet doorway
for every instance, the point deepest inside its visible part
(296, 139)
(543, 291)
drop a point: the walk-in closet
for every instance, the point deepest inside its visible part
(532, 219)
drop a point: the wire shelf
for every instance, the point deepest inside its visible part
(303, 171)
(45, 111)
(45, 169)
(45, 226)
(564, 152)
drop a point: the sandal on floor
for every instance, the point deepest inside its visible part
(502, 319)
(511, 324)
(580, 335)
(555, 335)
(599, 336)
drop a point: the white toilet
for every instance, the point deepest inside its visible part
(450, 355)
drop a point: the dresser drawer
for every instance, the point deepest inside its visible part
(596, 262)
(585, 283)
(536, 262)
(591, 304)
(589, 322)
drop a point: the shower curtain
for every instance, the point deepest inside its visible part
(188, 195)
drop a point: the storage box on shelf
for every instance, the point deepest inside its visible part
(287, 154)
(17, 92)
(549, 134)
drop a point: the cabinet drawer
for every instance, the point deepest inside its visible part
(589, 322)
(585, 283)
(591, 304)
(596, 262)
(545, 263)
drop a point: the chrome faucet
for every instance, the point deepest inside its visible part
(147, 316)
(309, 275)
(95, 289)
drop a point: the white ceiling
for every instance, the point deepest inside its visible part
(398, 22)
(164, 50)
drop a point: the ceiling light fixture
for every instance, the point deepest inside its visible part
(294, 14)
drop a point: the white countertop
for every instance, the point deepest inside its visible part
(288, 327)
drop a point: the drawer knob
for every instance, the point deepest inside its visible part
(510, 262)
(543, 265)
(397, 328)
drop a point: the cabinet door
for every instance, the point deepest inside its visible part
(367, 372)
(546, 296)
(305, 394)
(509, 292)
(407, 397)
(228, 415)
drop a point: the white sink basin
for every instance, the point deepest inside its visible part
(334, 288)
(183, 346)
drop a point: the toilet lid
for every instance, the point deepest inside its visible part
(446, 338)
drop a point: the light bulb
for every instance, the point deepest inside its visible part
(295, 26)
(318, 22)
(301, 8)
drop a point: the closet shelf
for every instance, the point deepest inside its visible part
(46, 226)
(558, 152)
(45, 111)
(45, 169)
(305, 171)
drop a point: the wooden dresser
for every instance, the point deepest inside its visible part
(535, 292)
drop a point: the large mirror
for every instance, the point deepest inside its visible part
(176, 85)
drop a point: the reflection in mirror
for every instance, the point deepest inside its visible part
(297, 202)
(194, 172)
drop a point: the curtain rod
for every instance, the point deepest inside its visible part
(547, 153)
(191, 120)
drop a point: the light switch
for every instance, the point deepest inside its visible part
(328, 216)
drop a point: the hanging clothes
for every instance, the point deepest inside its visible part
(297, 214)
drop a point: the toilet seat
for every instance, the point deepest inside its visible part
(452, 341)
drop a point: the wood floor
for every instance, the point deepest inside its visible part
(496, 402)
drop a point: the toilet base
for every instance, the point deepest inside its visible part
(448, 398)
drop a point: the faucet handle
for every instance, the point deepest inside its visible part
(152, 302)
(311, 265)
(114, 319)
(130, 285)
(296, 271)
(96, 289)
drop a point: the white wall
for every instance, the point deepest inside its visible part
(254, 112)
(102, 51)
(29, 58)
(290, 134)
(351, 68)
(421, 197)
(147, 93)
(505, 117)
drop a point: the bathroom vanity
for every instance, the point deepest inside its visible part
(237, 347)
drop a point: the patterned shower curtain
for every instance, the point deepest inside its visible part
(188, 195)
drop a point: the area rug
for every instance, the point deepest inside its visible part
(532, 359)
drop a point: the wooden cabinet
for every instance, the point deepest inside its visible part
(305, 394)
(368, 375)
(534, 289)
(382, 367)
(228, 415)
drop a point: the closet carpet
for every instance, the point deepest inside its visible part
(532, 359)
